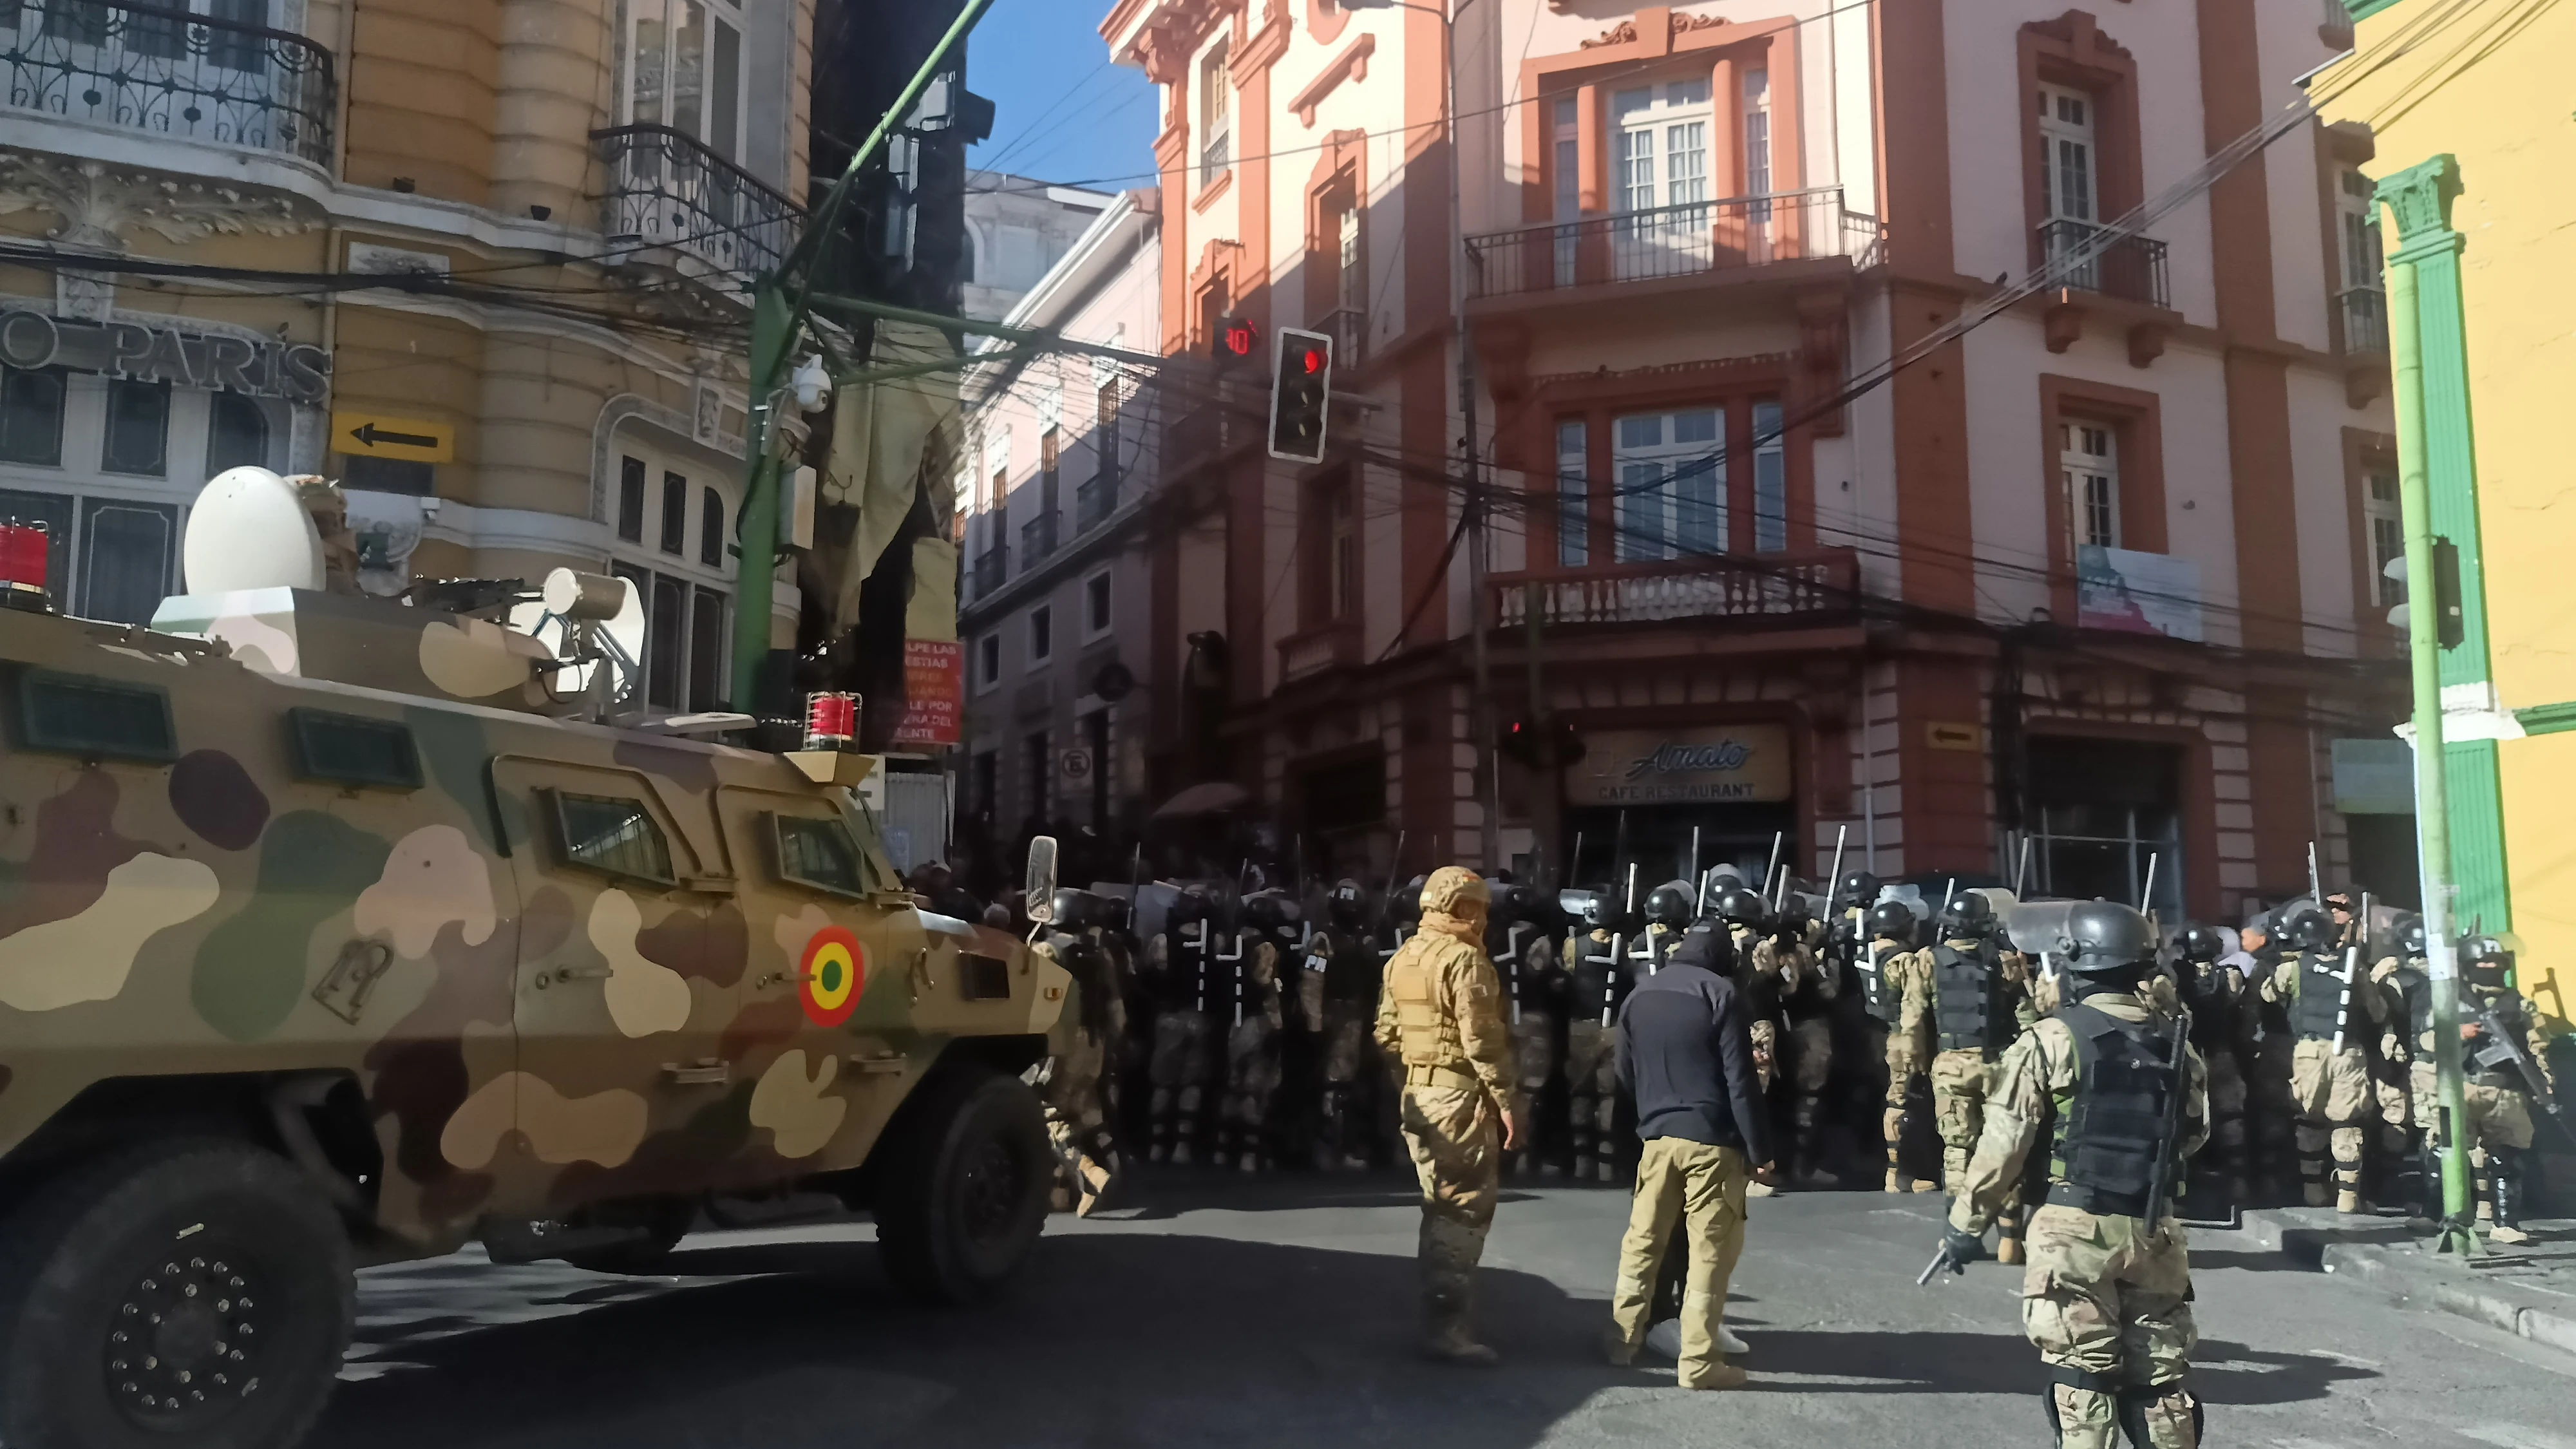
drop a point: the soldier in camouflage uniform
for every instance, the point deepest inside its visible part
(2330, 1008)
(1251, 956)
(1337, 992)
(2107, 1295)
(1742, 921)
(2495, 1096)
(1182, 968)
(1808, 987)
(2223, 1024)
(1074, 1083)
(1597, 981)
(1898, 981)
(1440, 1016)
(1535, 985)
(1980, 1003)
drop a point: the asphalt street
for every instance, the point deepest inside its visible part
(1280, 1312)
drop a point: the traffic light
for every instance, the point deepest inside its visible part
(1557, 743)
(1233, 340)
(2450, 623)
(1301, 393)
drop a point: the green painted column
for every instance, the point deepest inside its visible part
(2428, 252)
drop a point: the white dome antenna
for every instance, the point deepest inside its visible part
(250, 530)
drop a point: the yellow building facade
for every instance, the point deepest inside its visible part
(485, 261)
(2468, 116)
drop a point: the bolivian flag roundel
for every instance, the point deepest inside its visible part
(834, 973)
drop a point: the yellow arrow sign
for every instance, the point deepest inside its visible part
(1946, 735)
(411, 440)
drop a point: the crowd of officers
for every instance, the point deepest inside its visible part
(1237, 1034)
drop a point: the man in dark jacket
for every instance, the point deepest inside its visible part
(1686, 1059)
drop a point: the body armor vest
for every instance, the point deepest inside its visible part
(1188, 983)
(2415, 991)
(1086, 963)
(1886, 996)
(2111, 1134)
(2508, 1009)
(2319, 1005)
(2210, 992)
(1600, 976)
(1969, 1012)
(1350, 968)
(1426, 1036)
(1522, 983)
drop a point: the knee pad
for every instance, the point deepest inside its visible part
(1190, 1098)
(2310, 1140)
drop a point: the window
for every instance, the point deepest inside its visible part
(2066, 146)
(2090, 455)
(988, 661)
(1757, 137)
(711, 529)
(236, 433)
(675, 514)
(706, 649)
(984, 785)
(138, 428)
(817, 853)
(126, 551)
(1671, 472)
(2357, 223)
(1567, 134)
(617, 837)
(1041, 634)
(630, 499)
(351, 750)
(75, 715)
(684, 70)
(1096, 595)
(1342, 520)
(665, 641)
(1770, 479)
(1573, 495)
(2387, 523)
(1105, 440)
(1669, 231)
(1037, 760)
(31, 417)
(1216, 115)
(2104, 809)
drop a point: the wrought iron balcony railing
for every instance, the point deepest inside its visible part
(2365, 321)
(1094, 501)
(2093, 258)
(666, 189)
(1672, 241)
(992, 567)
(1037, 539)
(1771, 585)
(162, 70)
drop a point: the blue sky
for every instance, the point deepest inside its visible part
(1062, 112)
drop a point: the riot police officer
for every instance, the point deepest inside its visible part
(2411, 985)
(1073, 1090)
(1977, 999)
(1669, 910)
(1180, 964)
(2107, 1298)
(1339, 985)
(1272, 927)
(1597, 982)
(1741, 915)
(1808, 987)
(2329, 1008)
(2222, 1030)
(2501, 1054)
(1534, 987)
(1897, 980)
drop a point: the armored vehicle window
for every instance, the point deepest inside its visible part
(818, 853)
(611, 835)
(82, 716)
(353, 751)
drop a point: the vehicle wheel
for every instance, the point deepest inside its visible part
(965, 1192)
(189, 1295)
(660, 1224)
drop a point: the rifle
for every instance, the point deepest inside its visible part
(2503, 1048)
(2160, 1182)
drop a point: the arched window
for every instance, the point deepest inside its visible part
(237, 435)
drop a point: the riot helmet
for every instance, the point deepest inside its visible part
(2105, 936)
(1968, 914)
(1271, 910)
(1348, 903)
(2306, 928)
(1892, 920)
(2410, 934)
(2200, 944)
(1859, 888)
(1115, 913)
(1075, 909)
(1741, 906)
(1408, 901)
(1511, 901)
(1593, 911)
(1670, 904)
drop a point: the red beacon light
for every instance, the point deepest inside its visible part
(831, 720)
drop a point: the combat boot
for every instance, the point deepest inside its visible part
(2348, 1201)
(1895, 1179)
(1446, 1337)
(2008, 1249)
(2508, 1196)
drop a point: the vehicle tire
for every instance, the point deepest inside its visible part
(964, 1193)
(660, 1224)
(192, 1294)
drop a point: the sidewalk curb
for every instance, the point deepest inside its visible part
(2403, 1271)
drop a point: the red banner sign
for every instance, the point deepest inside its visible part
(934, 688)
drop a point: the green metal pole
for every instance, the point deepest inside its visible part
(2432, 794)
(778, 311)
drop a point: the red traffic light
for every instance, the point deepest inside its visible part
(1241, 337)
(1314, 360)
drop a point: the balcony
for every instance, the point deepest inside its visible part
(1310, 652)
(667, 190)
(1672, 241)
(2364, 314)
(163, 71)
(992, 569)
(1037, 540)
(1349, 330)
(1093, 502)
(1765, 587)
(2089, 258)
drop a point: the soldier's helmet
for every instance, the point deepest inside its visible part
(1742, 906)
(2107, 936)
(1075, 909)
(1893, 920)
(1592, 910)
(1408, 901)
(1859, 888)
(1793, 917)
(2410, 934)
(1348, 903)
(1669, 904)
(1968, 914)
(1456, 890)
(1511, 901)
(2200, 944)
(2308, 929)
(1271, 910)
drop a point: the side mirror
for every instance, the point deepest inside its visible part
(1039, 893)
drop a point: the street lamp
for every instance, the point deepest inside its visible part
(1474, 505)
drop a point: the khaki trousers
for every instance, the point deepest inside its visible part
(1700, 1190)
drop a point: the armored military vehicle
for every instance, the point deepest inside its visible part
(337, 930)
